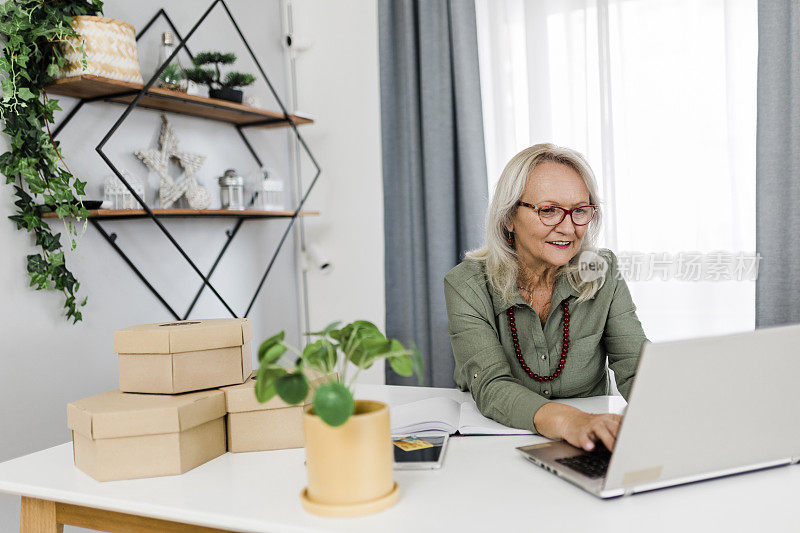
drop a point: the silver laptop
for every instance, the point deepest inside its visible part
(699, 409)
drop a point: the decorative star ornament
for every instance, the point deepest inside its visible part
(157, 160)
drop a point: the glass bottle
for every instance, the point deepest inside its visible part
(172, 76)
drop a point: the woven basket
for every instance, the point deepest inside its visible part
(110, 47)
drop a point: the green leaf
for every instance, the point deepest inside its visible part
(363, 329)
(52, 105)
(320, 355)
(265, 381)
(333, 403)
(18, 220)
(364, 352)
(52, 70)
(406, 362)
(265, 390)
(352, 335)
(292, 388)
(273, 353)
(8, 89)
(402, 365)
(79, 187)
(25, 93)
(238, 79)
(208, 58)
(57, 259)
(397, 349)
(39, 281)
(63, 210)
(200, 75)
(32, 221)
(37, 264)
(269, 343)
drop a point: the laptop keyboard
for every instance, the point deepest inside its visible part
(592, 464)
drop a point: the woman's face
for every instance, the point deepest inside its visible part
(550, 183)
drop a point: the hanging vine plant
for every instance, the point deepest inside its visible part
(32, 31)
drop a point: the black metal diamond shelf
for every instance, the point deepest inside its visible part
(93, 88)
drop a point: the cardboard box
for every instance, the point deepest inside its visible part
(118, 435)
(188, 355)
(274, 425)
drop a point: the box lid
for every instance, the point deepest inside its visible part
(242, 398)
(121, 414)
(183, 336)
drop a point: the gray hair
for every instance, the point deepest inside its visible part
(502, 262)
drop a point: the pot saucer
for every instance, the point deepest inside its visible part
(353, 509)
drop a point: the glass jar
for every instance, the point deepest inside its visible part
(118, 196)
(270, 192)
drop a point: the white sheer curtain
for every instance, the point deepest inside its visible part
(660, 95)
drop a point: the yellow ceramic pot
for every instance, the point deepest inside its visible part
(349, 467)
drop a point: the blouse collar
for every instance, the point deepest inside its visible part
(561, 291)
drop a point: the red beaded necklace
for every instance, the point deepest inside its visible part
(537, 377)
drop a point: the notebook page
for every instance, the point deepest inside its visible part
(474, 423)
(428, 415)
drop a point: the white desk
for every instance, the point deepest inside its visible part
(485, 485)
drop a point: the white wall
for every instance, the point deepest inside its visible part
(338, 80)
(45, 362)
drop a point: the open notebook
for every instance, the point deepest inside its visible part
(445, 415)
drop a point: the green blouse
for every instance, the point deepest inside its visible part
(603, 327)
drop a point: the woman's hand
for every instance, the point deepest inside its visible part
(558, 421)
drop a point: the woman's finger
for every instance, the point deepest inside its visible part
(605, 435)
(613, 425)
(579, 440)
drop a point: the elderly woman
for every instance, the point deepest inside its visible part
(535, 314)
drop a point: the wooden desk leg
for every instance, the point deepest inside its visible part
(42, 516)
(38, 516)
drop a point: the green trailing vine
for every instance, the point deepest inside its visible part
(31, 31)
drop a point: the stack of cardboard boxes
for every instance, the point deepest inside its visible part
(179, 381)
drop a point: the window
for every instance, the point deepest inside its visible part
(660, 95)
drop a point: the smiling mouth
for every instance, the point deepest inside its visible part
(560, 244)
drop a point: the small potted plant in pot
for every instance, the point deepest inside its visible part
(219, 87)
(348, 444)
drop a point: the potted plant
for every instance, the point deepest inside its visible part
(348, 444)
(173, 78)
(34, 34)
(219, 87)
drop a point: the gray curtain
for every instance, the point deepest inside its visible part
(434, 168)
(778, 163)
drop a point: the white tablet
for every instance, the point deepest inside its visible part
(419, 452)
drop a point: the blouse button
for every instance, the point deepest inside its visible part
(546, 391)
(543, 356)
(476, 375)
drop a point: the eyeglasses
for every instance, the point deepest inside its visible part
(553, 215)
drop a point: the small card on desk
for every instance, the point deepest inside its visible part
(408, 444)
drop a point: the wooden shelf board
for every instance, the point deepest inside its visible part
(91, 86)
(165, 213)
